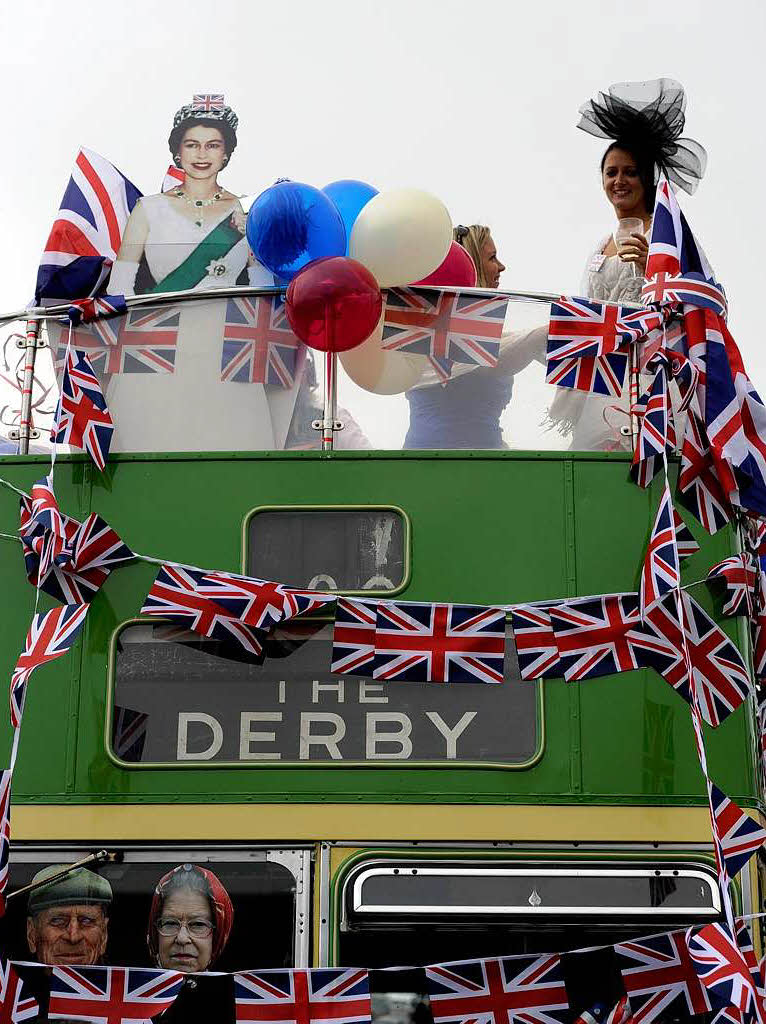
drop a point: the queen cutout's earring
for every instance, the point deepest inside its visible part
(177, 160)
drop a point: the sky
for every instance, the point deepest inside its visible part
(474, 102)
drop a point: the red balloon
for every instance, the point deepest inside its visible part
(333, 304)
(457, 270)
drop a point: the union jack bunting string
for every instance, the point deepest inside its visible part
(50, 635)
(353, 638)
(308, 996)
(82, 418)
(439, 643)
(87, 232)
(259, 345)
(208, 101)
(536, 649)
(738, 834)
(42, 524)
(111, 995)
(445, 327)
(16, 1004)
(661, 571)
(259, 603)
(721, 967)
(659, 977)
(141, 341)
(175, 595)
(582, 327)
(656, 433)
(84, 311)
(597, 636)
(740, 573)
(515, 990)
(603, 375)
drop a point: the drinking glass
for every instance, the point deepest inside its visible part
(626, 226)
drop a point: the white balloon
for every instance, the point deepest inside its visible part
(401, 236)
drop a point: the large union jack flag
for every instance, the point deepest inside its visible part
(583, 327)
(720, 678)
(740, 574)
(721, 967)
(603, 375)
(82, 418)
(111, 995)
(178, 594)
(142, 341)
(50, 635)
(594, 635)
(535, 641)
(658, 974)
(447, 327)
(738, 834)
(516, 990)
(16, 1004)
(353, 638)
(439, 643)
(87, 232)
(337, 995)
(259, 345)
(661, 572)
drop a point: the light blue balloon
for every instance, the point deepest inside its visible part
(292, 224)
(349, 196)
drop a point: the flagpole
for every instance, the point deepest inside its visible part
(30, 344)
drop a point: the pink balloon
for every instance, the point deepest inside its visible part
(456, 271)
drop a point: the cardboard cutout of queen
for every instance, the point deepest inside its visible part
(192, 237)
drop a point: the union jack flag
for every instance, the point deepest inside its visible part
(15, 1004)
(298, 996)
(142, 341)
(745, 944)
(698, 484)
(583, 327)
(95, 547)
(516, 990)
(208, 101)
(260, 604)
(447, 327)
(178, 594)
(594, 635)
(677, 269)
(50, 635)
(661, 571)
(353, 638)
(174, 177)
(96, 308)
(758, 628)
(741, 574)
(658, 974)
(721, 967)
(87, 232)
(720, 678)
(111, 995)
(6, 778)
(82, 418)
(44, 522)
(535, 641)
(603, 375)
(34, 544)
(656, 434)
(738, 834)
(259, 345)
(439, 643)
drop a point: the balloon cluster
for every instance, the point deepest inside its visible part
(338, 246)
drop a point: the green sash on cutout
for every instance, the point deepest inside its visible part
(214, 246)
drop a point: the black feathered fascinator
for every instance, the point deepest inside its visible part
(648, 116)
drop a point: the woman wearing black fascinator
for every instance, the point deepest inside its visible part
(644, 121)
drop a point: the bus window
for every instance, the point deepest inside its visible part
(358, 549)
(266, 888)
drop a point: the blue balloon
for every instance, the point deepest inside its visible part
(291, 224)
(349, 196)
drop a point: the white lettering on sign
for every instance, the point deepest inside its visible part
(451, 735)
(337, 688)
(248, 736)
(367, 693)
(281, 691)
(400, 737)
(309, 738)
(200, 718)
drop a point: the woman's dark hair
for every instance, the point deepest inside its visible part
(229, 135)
(644, 165)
